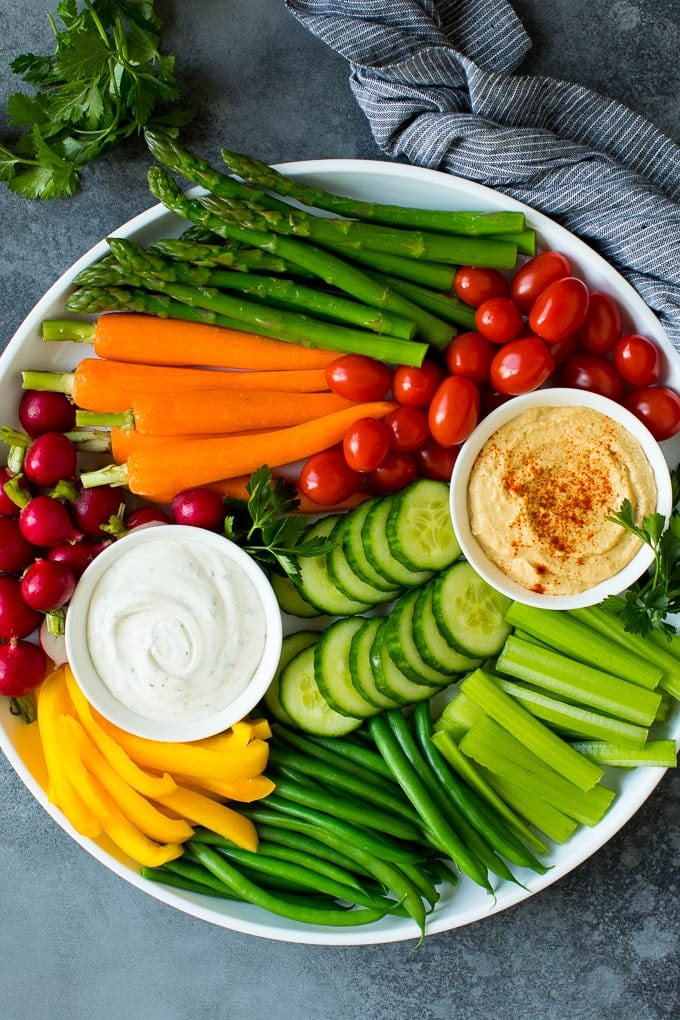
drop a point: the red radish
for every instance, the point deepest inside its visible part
(200, 508)
(22, 667)
(53, 645)
(50, 457)
(76, 555)
(46, 522)
(15, 552)
(92, 508)
(47, 585)
(144, 515)
(17, 620)
(46, 412)
(8, 508)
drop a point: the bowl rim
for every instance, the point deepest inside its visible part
(458, 505)
(97, 692)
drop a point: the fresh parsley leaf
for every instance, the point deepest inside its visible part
(106, 80)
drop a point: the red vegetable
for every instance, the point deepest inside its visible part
(199, 508)
(15, 551)
(416, 386)
(499, 320)
(46, 522)
(8, 508)
(473, 285)
(535, 275)
(17, 620)
(358, 377)
(76, 555)
(470, 354)
(454, 410)
(366, 443)
(144, 515)
(560, 309)
(50, 458)
(93, 507)
(326, 478)
(637, 360)
(408, 428)
(658, 407)
(591, 372)
(22, 667)
(47, 585)
(602, 326)
(396, 472)
(436, 461)
(41, 412)
(521, 366)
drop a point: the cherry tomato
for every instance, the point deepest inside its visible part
(499, 320)
(602, 327)
(454, 410)
(358, 377)
(436, 461)
(585, 371)
(416, 386)
(366, 444)
(658, 407)
(637, 360)
(408, 428)
(521, 366)
(326, 478)
(560, 309)
(470, 354)
(490, 399)
(563, 349)
(534, 276)
(396, 472)
(473, 285)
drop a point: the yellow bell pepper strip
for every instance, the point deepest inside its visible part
(112, 820)
(127, 769)
(53, 701)
(28, 745)
(137, 809)
(217, 817)
(190, 759)
(240, 734)
(243, 790)
(260, 729)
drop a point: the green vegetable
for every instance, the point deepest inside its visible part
(105, 80)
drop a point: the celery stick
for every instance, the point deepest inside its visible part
(458, 715)
(611, 626)
(470, 774)
(574, 638)
(572, 719)
(547, 819)
(489, 745)
(577, 682)
(485, 691)
(660, 753)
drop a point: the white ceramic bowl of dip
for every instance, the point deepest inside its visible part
(460, 511)
(173, 633)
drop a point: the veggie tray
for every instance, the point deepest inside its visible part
(407, 186)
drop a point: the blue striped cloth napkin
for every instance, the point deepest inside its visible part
(435, 79)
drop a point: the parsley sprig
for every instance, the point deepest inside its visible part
(267, 526)
(645, 606)
(105, 81)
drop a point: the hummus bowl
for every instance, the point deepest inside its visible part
(532, 488)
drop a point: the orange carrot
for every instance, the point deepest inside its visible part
(100, 385)
(125, 441)
(150, 340)
(161, 472)
(201, 412)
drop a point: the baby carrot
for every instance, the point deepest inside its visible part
(161, 472)
(153, 340)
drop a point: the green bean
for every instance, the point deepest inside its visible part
(356, 752)
(350, 762)
(469, 836)
(167, 876)
(309, 861)
(343, 808)
(490, 827)
(260, 897)
(359, 787)
(414, 788)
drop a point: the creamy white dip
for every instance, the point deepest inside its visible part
(175, 630)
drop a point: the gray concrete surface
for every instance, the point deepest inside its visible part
(78, 943)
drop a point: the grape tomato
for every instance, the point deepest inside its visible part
(602, 327)
(585, 371)
(454, 410)
(521, 366)
(416, 386)
(436, 461)
(326, 478)
(534, 276)
(474, 285)
(408, 428)
(657, 407)
(637, 360)
(560, 309)
(396, 472)
(358, 377)
(499, 320)
(366, 444)
(470, 354)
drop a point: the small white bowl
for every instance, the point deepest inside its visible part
(169, 609)
(473, 552)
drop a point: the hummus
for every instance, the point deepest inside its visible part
(540, 491)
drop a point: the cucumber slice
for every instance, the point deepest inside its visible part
(304, 703)
(290, 646)
(332, 669)
(360, 668)
(431, 643)
(374, 537)
(314, 584)
(419, 529)
(289, 598)
(469, 612)
(390, 680)
(344, 577)
(402, 648)
(355, 551)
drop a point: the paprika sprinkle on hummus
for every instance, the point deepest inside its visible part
(540, 491)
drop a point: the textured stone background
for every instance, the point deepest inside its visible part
(76, 942)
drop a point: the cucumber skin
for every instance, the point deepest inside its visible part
(330, 675)
(403, 505)
(291, 645)
(329, 723)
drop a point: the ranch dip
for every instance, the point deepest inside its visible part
(540, 491)
(175, 630)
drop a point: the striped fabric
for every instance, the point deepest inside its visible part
(434, 78)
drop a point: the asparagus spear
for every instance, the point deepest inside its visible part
(473, 224)
(207, 305)
(134, 259)
(201, 254)
(260, 211)
(323, 264)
